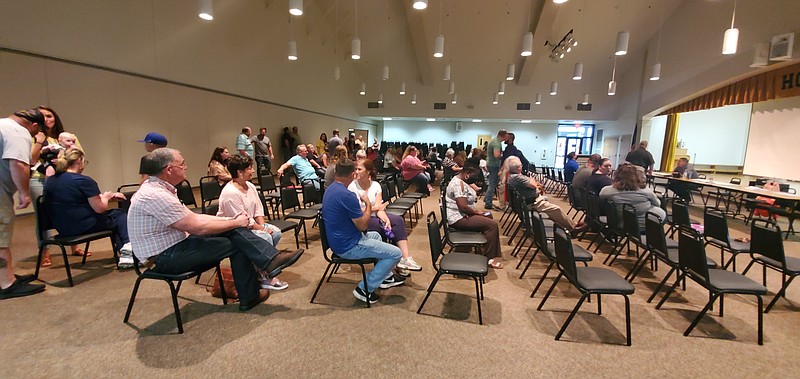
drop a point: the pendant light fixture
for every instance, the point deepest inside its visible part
(452, 88)
(495, 99)
(205, 9)
(446, 72)
(454, 99)
(622, 43)
(385, 72)
(553, 88)
(585, 99)
(577, 71)
(510, 71)
(438, 43)
(403, 89)
(355, 44)
(420, 4)
(538, 99)
(363, 89)
(527, 38)
(560, 1)
(612, 85)
(731, 38)
(337, 73)
(501, 89)
(380, 99)
(296, 7)
(292, 50)
(414, 99)
(655, 69)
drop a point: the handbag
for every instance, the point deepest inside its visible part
(227, 284)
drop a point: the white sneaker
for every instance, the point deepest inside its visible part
(266, 283)
(125, 259)
(409, 264)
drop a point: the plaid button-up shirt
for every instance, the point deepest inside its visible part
(154, 208)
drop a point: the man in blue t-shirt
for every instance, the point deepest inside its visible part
(571, 167)
(305, 169)
(345, 224)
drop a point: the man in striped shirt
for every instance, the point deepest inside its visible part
(173, 239)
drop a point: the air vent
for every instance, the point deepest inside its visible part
(523, 106)
(439, 105)
(584, 107)
(373, 105)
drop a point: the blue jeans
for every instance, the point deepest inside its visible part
(371, 246)
(494, 173)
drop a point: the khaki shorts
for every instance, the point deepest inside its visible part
(6, 219)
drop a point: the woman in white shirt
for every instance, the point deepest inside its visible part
(380, 220)
(241, 196)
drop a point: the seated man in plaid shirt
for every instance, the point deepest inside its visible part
(171, 239)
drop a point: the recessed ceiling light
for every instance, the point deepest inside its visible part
(477, 120)
(430, 119)
(387, 119)
(525, 121)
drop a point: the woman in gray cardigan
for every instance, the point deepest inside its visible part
(628, 187)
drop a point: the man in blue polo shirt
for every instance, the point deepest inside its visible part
(305, 169)
(345, 224)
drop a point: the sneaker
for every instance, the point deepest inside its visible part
(409, 264)
(19, 289)
(403, 272)
(491, 207)
(360, 295)
(125, 260)
(279, 285)
(392, 281)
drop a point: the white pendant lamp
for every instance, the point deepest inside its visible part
(560, 1)
(355, 48)
(527, 44)
(731, 38)
(553, 88)
(501, 89)
(655, 71)
(205, 9)
(438, 46)
(420, 4)
(414, 99)
(363, 89)
(380, 99)
(446, 72)
(403, 89)
(454, 99)
(577, 71)
(452, 88)
(622, 43)
(337, 73)
(292, 50)
(612, 88)
(510, 71)
(296, 7)
(495, 99)
(538, 99)
(585, 99)
(385, 72)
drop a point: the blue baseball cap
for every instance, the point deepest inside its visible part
(155, 139)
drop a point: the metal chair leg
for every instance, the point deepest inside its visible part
(571, 316)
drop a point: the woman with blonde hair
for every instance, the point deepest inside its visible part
(77, 206)
(339, 153)
(413, 170)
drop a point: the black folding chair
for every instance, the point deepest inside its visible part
(693, 264)
(128, 190)
(334, 261)
(289, 201)
(186, 196)
(461, 264)
(45, 223)
(767, 250)
(209, 191)
(717, 234)
(587, 280)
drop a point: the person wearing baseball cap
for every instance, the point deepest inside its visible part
(151, 141)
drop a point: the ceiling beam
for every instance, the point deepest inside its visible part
(421, 52)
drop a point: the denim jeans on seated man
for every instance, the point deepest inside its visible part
(371, 246)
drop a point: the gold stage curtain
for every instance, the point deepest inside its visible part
(777, 83)
(670, 140)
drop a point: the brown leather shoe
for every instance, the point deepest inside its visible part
(282, 261)
(263, 295)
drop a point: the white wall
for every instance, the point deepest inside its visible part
(532, 139)
(716, 136)
(774, 138)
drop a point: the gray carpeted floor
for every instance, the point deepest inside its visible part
(78, 332)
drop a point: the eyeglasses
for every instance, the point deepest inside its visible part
(182, 165)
